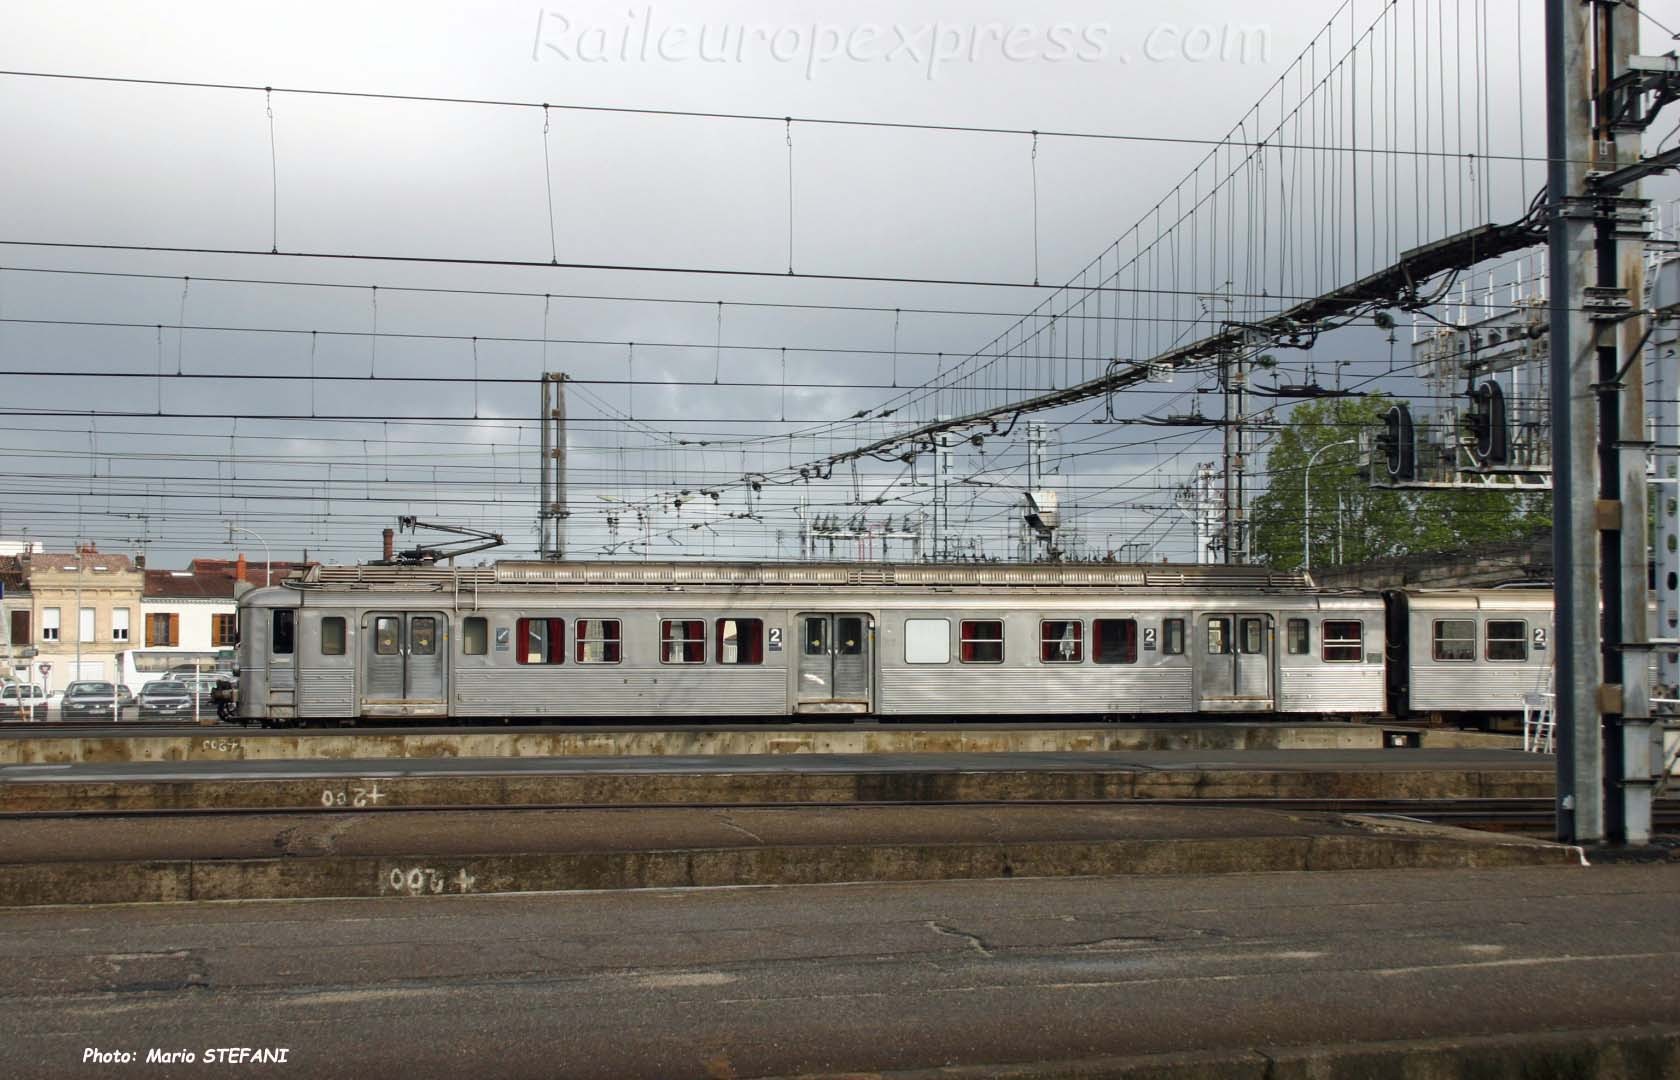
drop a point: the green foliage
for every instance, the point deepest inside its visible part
(1374, 523)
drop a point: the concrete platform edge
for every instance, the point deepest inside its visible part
(1635, 1053)
(418, 875)
(236, 744)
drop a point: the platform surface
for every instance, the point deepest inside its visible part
(1538, 972)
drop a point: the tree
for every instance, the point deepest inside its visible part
(1373, 523)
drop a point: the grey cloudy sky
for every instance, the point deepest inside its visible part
(102, 163)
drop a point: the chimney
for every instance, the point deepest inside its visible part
(390, 545)
(239, 568)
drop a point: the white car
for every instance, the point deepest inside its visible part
(16, 700)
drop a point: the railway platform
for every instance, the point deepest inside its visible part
(372, 784)
(34, 744)
(139, 859)
(292, 815)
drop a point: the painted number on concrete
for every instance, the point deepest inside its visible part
(352, 796)
(425, 881)
(220, 746)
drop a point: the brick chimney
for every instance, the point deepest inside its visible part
(239, 568)
(390, 545)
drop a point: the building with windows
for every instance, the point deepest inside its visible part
(82, 611)
(17, 628)
(191, 616)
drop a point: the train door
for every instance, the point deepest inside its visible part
(836, 662)
(1235, 662)
(403, 663)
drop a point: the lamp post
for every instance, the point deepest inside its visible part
(79, 561)
(1306, 501)
(268, 560)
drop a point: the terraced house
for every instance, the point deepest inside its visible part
(84, 608)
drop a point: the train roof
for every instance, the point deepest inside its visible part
(1427, 600)
(513, 575)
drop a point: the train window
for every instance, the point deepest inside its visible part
(816, 637)
(1114, 641)
(1218, 636)
(927, 641)
(682, 641)
(849, 629)
(981, 641)
(422, 635)
(1061, 641)
(1455, 639)
(541, 641)
(1172, 637)
(332, 636)
(740, 641)
(1507, 639)
(599, 641)
(1252, 640)
(1300, 637)
(1344, 641)
(387, 635)
(475, 636)
(281, 641)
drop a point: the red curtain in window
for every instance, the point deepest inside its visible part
(751, 640)
(554, 648)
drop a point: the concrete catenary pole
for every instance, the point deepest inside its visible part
(1577, 639)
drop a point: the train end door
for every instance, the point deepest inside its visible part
(1234, 662)
(836, 662)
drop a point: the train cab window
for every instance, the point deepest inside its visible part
(599, 641)
(682, 641)
(475, 636)
(387, 635)
(332, 636)
(1172, 637)
(740, 641)
(1507, 639)
(1114, 641)
(1454, 639)
(927, 641)
(1218, 636)
(283, 639)
(981, 641)
(1343, 641)
(1300, 637)
(1061, 641)
(541, 641)
(1253, 636)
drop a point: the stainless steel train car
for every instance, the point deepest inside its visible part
(1468, 653)
(681, 641)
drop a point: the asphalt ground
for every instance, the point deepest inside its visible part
(1564, 971)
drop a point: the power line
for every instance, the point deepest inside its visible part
(698, 114)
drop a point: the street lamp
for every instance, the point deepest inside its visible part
(1306, 501)
(268, 560)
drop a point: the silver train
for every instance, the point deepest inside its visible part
(612, 641)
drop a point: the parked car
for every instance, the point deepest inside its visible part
(202, 684)
(165, 697)
(17, 700)
(99, 700)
